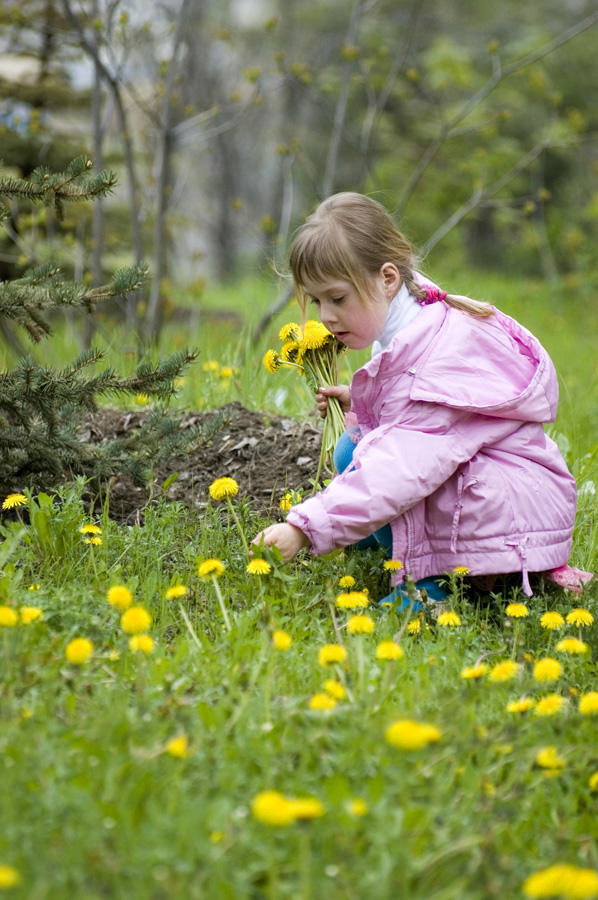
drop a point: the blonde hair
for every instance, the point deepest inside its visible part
(351, 236)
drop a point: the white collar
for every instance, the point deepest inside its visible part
(402, 309)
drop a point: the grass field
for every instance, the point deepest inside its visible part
(228, 736)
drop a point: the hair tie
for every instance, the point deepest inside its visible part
(432, 295)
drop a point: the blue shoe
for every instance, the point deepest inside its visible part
(399, 597)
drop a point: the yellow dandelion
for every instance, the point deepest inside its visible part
(135, 620)
(335, 689)
(473, 672)
(273, 808)
(448, 619)
(322, 702)
(258, 567)
(216, 836)
(177, 590)
(552, 620)
(548, 758)
(360, 625)
(389, 650)
(90, 529)
(141, 642)
(393, 565)
(504, 671)
(95, 540)
(178, 746)
(593, 782)
(547, 669)
(549, 705)
(8, 617)
(357, 807)
(289, 332)
(9, 877)
(14, 500)
(78, 651)
(210, 568)
(347, 581)
(307, 808)
(461, 570)
(223, 488)
(415, 626)
(227, 371)
(286, 501)
(30, 614)
(520, 706)
(34, 587)
(271, 361)
(352, 600)
(289, 351)
(562, 880)
(517, 610)
(409, 735)
(580, 617)
(572, 645)
(211, 365)
(120, 596)
(281, 640)
(331, 653)
(588, 703)
(314, 335)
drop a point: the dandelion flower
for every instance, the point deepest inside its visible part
(593, 782)
(562, 880)
(415, 626)
(78, 651)
(473, 672)
(389, 650)
(461, 570)
(448, 619)
(580, 617)
(409, 735)
(9, 876)
(572, 645)
(212, 365)
(289, 351)
(289, 332)
(142, 642)
(90, 529)
(30, 614)
(331, 653)
(321, 702)
(120, 596)
(347, 581)
(176, 591)
(314, 336)
(357, 807)
(178, 746)
(549, 705)
(352, 600)
(335, 689)
(258, 567)
(223, 488)
(34, 587)
(95, 540)
(210, 568)
(517, 610)
(8, 616)
(14, 500)
(228, 371)
(393, 565)
(307, 808)
(135, 620)
(588, 703)
(504, 671)
(552, 620)
(281, 640)
(360, 625)
(547, 669)
(273, 808)
(272, 361)
(520, 706)
(548, 758)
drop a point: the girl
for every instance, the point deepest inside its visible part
(446, 462)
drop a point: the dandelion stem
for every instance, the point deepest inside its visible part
(221, 602)
(190, 628)
(239, 527)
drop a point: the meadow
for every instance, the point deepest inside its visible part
(175, 725)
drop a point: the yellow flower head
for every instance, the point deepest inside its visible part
(461, 570)
(210, 568)
(314, 336)
(517, 610)
(30, 614)
(352, 600)
(212, 365)
(90, 529)
(552, 620)
(548, 758)
(9, 877)
(322, 702)
(289, 332)
(331, 653)
(281, 640)
(258, 567)
(347, 581)
(178, 746)
(120, 596)
(135, 620)
(228, 371)
(409, 735)
(572, 645)
(549, 705)
(360, 625)
(593, 782)
(389, 650)
(393, 565)
(142, 642)
(14, 500)
(289, 351)
(223, 488)
(78, 651)
(588, 703)
(520, 706)
(272, 361)
(580, 617)
(415, 626)
(335, 689)
(8, 616)
(473, 672)
(307, 808)
(504, 671)
(547, 669)
(357, 807)
(94, 539)
(562, 880)
(448, 619)
(273, 808)
(177, 590)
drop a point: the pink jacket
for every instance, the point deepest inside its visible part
(453, 453)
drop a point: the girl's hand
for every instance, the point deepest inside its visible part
(286, 537)
(341, 391)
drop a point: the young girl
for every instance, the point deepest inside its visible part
(447, 462)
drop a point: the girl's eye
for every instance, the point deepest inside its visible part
(337, 299)
(315, 300)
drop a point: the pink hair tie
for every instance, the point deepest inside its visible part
(432, 295)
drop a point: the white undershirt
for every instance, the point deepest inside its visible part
(402, 309)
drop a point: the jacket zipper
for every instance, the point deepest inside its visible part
(409, 523)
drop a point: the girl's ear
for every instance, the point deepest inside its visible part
(391, 279)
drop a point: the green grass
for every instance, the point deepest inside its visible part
(93, 804)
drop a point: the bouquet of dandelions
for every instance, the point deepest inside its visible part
(316, 353)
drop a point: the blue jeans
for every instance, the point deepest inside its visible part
(342, 458)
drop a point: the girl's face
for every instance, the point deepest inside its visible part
(345, 314)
